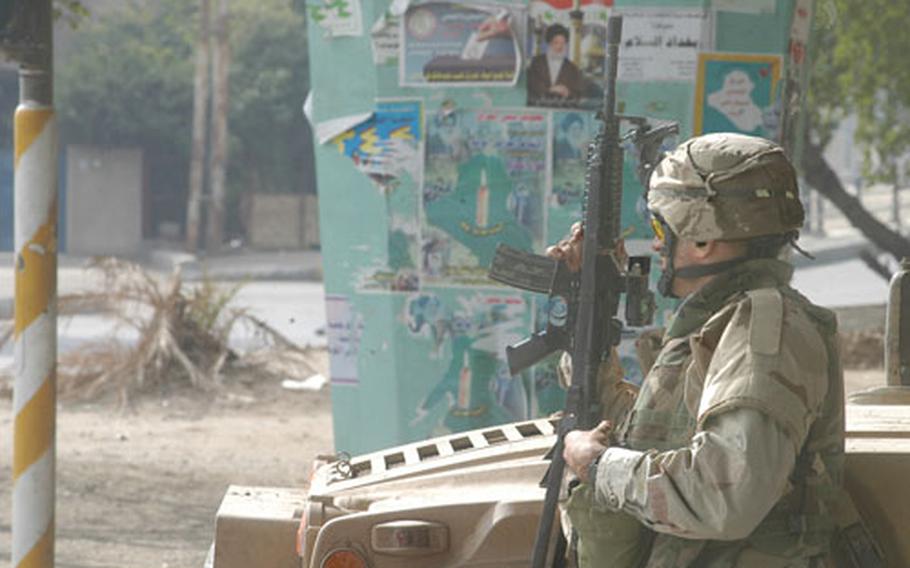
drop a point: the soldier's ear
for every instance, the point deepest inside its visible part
(704, 249)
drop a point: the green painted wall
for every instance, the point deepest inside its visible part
(416, 333)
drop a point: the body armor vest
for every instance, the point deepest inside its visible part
(666, 416)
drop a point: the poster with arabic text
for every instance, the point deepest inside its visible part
(661, 44)
(460, 44)
(484, 182)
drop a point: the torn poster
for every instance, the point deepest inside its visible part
(329, 129)
(661, 44)
(796, 71)
(386, 145)
(800, 30)
(451, 43)
(738, 92)
(337, 17)
(567, 59)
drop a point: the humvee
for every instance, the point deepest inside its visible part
(473, 499)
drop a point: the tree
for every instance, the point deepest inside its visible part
(860, 68)
(200, 114)
(127, 79)
(269, 80)
(220, 100)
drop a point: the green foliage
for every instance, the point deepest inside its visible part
(269, 79)
(127, 79)
(207, 305)
(72, 12)
(860, 66)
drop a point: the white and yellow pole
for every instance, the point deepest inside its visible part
(35, 332)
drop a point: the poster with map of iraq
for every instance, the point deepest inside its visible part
(737, 92)
(484, 182)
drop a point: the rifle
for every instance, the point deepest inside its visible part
(582, 307)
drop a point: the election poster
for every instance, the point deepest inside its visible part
(572, 132)
(566, 55)
(661, 44)
(387, 148)
(465, 334)
(484, 183)
(457, 44)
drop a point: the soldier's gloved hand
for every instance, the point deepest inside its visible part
(569, 248)
(583, 446)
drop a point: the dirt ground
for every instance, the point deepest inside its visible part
(140, 489)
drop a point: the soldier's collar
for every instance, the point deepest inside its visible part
(696, 308)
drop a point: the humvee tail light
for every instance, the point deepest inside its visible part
(343, 558)
(410, 538)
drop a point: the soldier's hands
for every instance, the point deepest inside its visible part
(569, 248)
(583, 446)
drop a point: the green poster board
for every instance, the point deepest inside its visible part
(424, 178)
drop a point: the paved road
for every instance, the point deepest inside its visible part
(296, 308)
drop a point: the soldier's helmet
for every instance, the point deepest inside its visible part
(726, 186)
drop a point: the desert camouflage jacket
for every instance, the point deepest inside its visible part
(736, 438)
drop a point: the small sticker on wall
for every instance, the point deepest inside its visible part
(337, 17)
(345, 327)
(385, 39)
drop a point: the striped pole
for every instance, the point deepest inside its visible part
(35, 326)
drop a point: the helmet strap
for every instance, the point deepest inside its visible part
(665, 284)
(699, 270)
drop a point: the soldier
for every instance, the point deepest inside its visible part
(734, 446)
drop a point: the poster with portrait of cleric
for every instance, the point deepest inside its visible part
(572, 132)
(566, 53)
(484, 181)
(455, 44)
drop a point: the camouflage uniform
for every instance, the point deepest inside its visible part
(734, 447)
